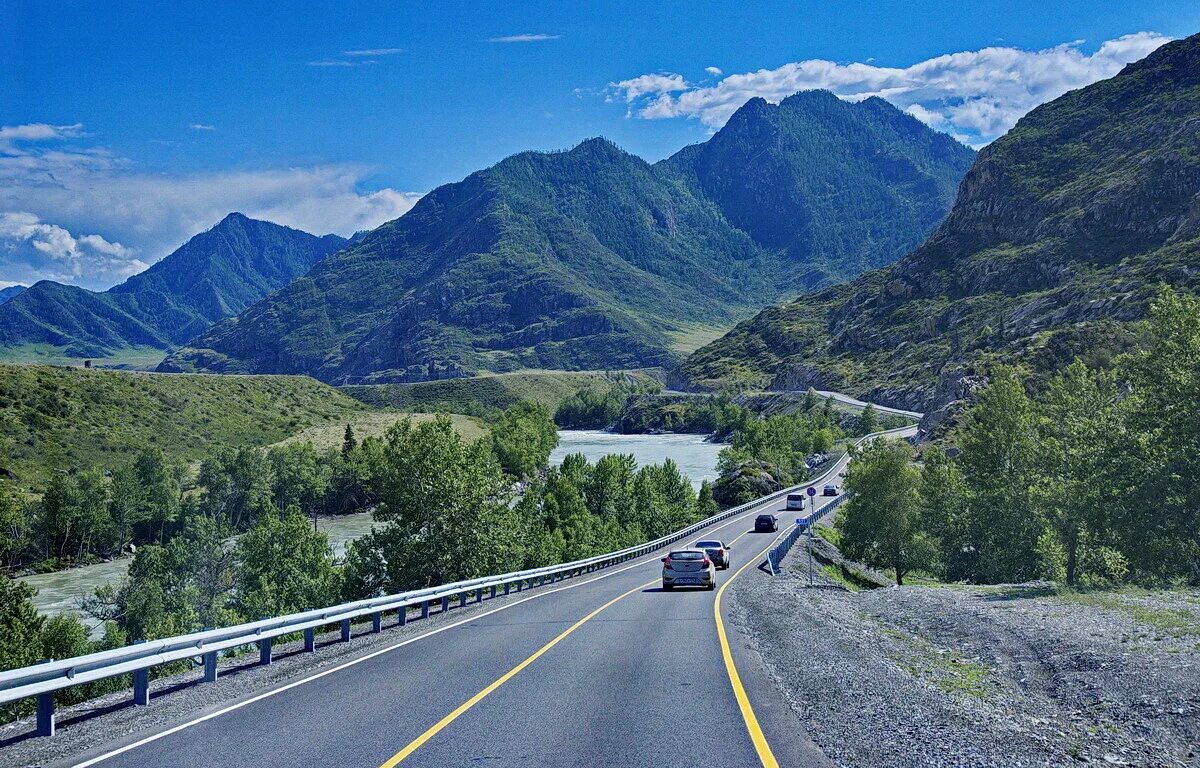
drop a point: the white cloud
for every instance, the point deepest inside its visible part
(50, 192)
(338, 63)
(526, 38)
(714, 71)
(977, 95)
(202, 127)
(374, 52)
(12, 135)
(30, 246)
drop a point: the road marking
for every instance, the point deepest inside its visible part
(765, 755)
(437, 728)
(359, 659)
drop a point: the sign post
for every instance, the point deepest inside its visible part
(812, 517)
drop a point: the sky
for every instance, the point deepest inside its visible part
(126, 129)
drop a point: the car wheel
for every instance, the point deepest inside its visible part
(712, 585)
(668, 587)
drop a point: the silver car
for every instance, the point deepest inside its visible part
(718, 552)
(688, 568)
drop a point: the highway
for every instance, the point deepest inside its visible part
(605, 669)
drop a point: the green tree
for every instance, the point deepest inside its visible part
(880, 522)
(1160, 520)
(349, 443)
(1075, 490)
(943, 495)
(999, 463)
(299, 477)
(14, 527)
(284, 567)
(20, 625)
(445, 505)
(868, 420)
(160, 493)
(706, 505)
(523, 437)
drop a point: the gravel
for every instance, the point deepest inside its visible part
(1022, 675)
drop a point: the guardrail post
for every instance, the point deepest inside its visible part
(424, 609)
(445, 603)
(45, 714)
(493, 591)
(141, 687)
(507, 587)
(462, 599)
(345, 630)
(310, 640)
(402, 616)
(479, 594)
(519, 581)
(376, 622)
(210, 667)
(264, 650)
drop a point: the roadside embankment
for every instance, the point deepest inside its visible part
(1018, 675)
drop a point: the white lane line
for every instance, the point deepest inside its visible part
(358, 660)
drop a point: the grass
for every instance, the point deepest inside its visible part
(133, 358)
(69, 418)
(1174, 622)
(945, 669)
(691, 336)
(484, 396)
(374, 424)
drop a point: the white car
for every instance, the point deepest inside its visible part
(795, 502)
(688, 568)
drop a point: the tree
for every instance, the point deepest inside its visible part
(943, 515)
(20, 625)
(237, 485)
(523, 437)
(14, 527)
(1164, 447)
(160, 493)
(445, 506)
(1076, 490)
(348, 441)
(999, 463)
(880, 523)
(868, 420)
(706, 505)
(299, 477)
(284, 566)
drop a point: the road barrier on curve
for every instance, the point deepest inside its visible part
(780, 550)
(40, 681)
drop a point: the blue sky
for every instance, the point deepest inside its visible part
(124, 131)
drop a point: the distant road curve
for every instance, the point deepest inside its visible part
(860, 404)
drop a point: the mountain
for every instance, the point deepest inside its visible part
(215, 275)
(11, 292)
(1061, 233)
(595, 259)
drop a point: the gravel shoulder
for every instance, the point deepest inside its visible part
(1022, 675)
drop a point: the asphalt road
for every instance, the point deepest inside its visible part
(602, 670)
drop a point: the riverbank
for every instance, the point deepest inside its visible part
(695, 455)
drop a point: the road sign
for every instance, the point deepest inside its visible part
(812, 491)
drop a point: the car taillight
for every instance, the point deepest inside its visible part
(667, 563)
(707, 562)
(721, 552)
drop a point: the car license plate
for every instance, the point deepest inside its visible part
(687, 580)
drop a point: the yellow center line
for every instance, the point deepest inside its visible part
(765, 755)
(438, 727)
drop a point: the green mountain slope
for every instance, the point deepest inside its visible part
(593, 258)
(1060, 235)
(214, 275)
(66, 418)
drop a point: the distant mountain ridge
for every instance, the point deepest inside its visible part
(11, 292)
(595, 259)
(215, 275)
(1062, 231)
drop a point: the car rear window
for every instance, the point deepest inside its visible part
(687, 555)
(766, 517)
(708, 545)
(794, 496)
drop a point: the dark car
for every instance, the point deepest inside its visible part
(766, 523)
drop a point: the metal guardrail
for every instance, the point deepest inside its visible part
(42, 680)
(804, 524)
